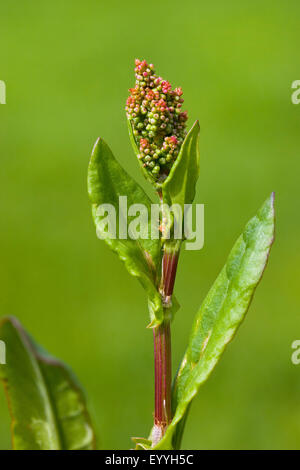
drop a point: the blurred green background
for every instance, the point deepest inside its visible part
(67, 67)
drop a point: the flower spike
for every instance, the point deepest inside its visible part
(158, 122)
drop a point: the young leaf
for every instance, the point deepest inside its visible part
(180, 185)
(220, 315)
(107, 181)
(46, 403)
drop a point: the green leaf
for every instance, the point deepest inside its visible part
(46, 403)
(220, 315)
(141, 443)
(107, 181)
(180, 186)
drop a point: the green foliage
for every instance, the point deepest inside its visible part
(220, 314)
(50, 269)
(180, 186)
(107, 180)
(46, 403)
(229, 298)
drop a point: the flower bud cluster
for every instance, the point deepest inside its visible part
(158, 121)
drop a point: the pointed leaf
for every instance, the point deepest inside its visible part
(180, 186)
(46, 403)
(107, 181)
(220, 315)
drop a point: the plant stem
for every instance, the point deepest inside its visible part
(162, 346)
(163, 377)
(169, 269)
(162, 337)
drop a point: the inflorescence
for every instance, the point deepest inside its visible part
(158, 121)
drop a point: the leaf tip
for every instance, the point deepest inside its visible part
(272, 197)
(195, 128)
(267, 210)
(12, 320)
(96, 146)
(197, 124)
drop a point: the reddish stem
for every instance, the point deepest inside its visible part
(170, 261)
(162, 344)
(163, 374)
